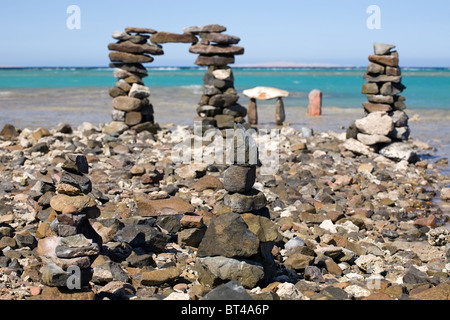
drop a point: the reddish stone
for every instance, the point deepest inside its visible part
(426, 222)
(315, 103)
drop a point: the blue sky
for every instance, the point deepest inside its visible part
(34, 33)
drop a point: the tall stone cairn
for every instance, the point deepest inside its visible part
(131, 99)
(385, 126)
(218, 105)
(242, 237)
(70, 245)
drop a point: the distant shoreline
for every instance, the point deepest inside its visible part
(237, 67)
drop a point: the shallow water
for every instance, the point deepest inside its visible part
(35, 107)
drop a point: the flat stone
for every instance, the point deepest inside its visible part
(139, 30)
(120, 35)
(223, 100)
(228, 235)
(216, 49)
(298, 261)
(157, 277)
(64, 294)
(80, 181)
(382, 78)
(207, 182)
(265, 93)
(167, 37)
(59, 202)
(63, 251)
(357, 147)
(378, 98)
(220, 38)
(126, 104)
(195, 170)
(117, 56)
(391, 60)
(163, 207)
(210, 28)
(130, 47)
(215, 60)
(144, 236)
(115, 127)
(373, 139)
(376, 107)
(214, 271)
(245, 203)
(399, 151)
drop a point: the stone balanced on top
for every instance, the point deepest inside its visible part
(71, 242)
(385, 125)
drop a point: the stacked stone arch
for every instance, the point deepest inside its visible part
(134, 47)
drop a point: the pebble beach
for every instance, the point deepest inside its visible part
(334, 224)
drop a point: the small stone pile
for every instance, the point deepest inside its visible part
(132, 107)
(385, 125)
(241, 238)
(71, 243)
(218, 106)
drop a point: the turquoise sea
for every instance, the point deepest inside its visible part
(33, 97)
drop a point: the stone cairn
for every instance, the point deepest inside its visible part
(218, 106)
(132, 107)
(69, 244)
(242, 237)
(385, 125)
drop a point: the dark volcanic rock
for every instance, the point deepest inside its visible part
(228, 236)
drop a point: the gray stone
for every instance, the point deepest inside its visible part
(312, 273)
(382, 49)
(139, 91)
(372, 139)
(144, 236)
(239, 178)
(415, 276)
(375, 123)
(399, 151)
(401, 133)
(224, 121)
(400, 119)
(79, 181)
(66, 252)
(248, 202)
(191, 237)
(228, 235)
(374, 68)
(229, 291)
(210, 28)
(214, 271)
(293, 245)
